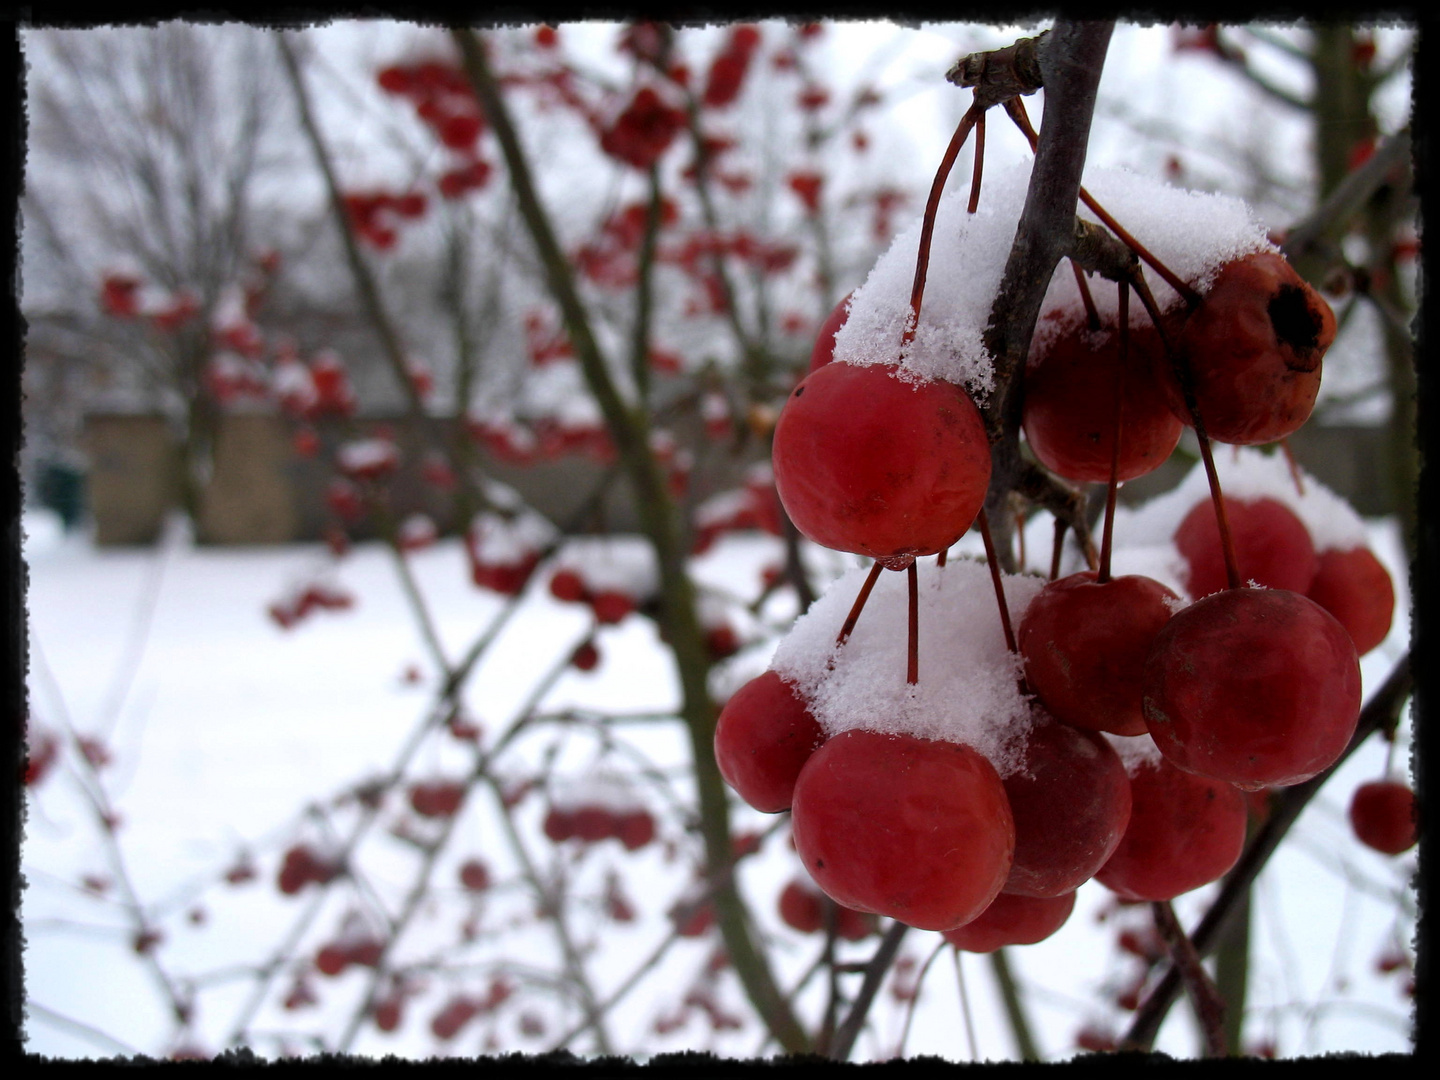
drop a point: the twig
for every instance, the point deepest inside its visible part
(875, 970)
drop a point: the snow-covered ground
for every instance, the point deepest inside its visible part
(224, 728)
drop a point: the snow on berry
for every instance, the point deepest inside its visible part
(968, 691)
(611, 564)
(1245, 473)
(1193, 233)
(368, 459)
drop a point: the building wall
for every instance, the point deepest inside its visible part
(262, 492)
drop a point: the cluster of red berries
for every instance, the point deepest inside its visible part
(315, 597)
(302, 866)
(333, 958)
(502, 552)
(591, 823)
(444, 100)
(376, 216)
(874, 459)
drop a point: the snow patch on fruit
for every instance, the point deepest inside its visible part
(1135, 751)
(1246, 473)
(623, 564)
(1194, 233)
(968, 691)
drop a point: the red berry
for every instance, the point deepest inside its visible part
(912, 829)
(867, 463)
(1355, 588)
(1185, 831)
(1084, 645)
(635, 829)
(611, 607)
(1256, 687)
(474, 875)
(586, 656)
(1071, 803)
(800, 908)
(1013, 920)
(1382, 813)
(1253, 349)
(567, 585)
(332, 960)
(1069, 410)
(763, 737)
(559, 825)
(387, 1013)
(437, 799)
(592, 823)
(824, 350)
(1272, 546)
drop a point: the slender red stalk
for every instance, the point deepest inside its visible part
(1187, 388)
(1294, 467)
(859, 605)
(979, 169)
(912, 667)
(1058, 548)
(1104, 573)
(940, 561)
(927, 227)
(1016, 108)
(984, 522)
(1092, 316)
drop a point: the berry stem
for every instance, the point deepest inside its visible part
(979, 168)
(912, 667)
(927, 228)
(1187, 388)
(859, 605)
(1016, 108)
(1058, 548)
(984, 522)
(940, 559)
(1092, 315)
(1294, 467)
(1104, 573)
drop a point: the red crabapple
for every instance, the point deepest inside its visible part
(1084, 644)
(1355, 588)
(914, 829)
(1272, 546)
(867, 463)
(1013, 920)
(1256, 687)
(763, 738)
(1071, 802)
(1185, 831)
(1253, 349)
(824, 350)
(1069, 406)
(1382, 813)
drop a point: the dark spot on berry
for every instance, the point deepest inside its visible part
(1297, 325)
(799, 390)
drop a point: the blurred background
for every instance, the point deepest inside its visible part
(288, 329)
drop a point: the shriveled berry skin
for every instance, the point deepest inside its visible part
(1069, 410)
(913, 829)
(1256, 687)
(1272, 546)
(1253, 348)
(1382, 813)
(1013, 920)
(1185, 831)
(867, 463)
(1357, 590)
(1085, 643)
(763, 737)
(1071, 803)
